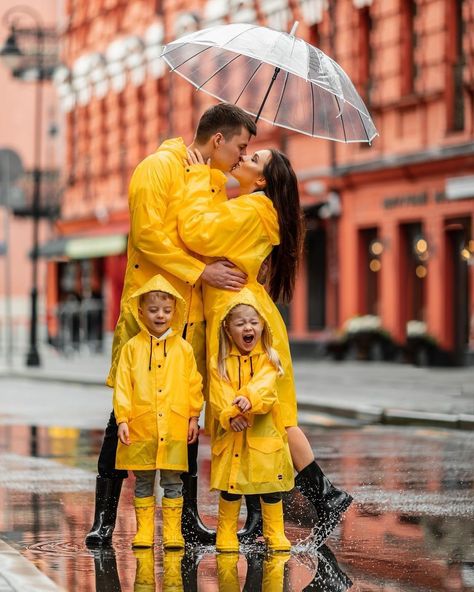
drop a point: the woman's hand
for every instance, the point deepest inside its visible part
(195, 157)
(123, 434)
(239, 423)
(242, 403)
(193, 430)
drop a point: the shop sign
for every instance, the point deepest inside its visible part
(417, 199)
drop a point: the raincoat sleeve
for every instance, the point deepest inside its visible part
(148, 192)
(214, 229)
(196, 399)
(123, 386)
(221, 395)
(261, 389)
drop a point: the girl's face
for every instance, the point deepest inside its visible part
(245, 326)
(249, 170)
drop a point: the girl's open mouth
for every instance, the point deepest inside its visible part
(248, 338)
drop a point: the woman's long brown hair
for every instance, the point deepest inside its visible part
(282, 189)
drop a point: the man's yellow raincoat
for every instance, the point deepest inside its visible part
(157, 390)
(256, 460)
(155, 197)
(243, 230)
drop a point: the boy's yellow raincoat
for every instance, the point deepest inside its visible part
(157, 390)
(256, 460)
(156, 194)
(243, 230)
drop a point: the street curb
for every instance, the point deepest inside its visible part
(21, 574)
(367, 414)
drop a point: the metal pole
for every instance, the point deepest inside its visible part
(33, 358)
(8, 285)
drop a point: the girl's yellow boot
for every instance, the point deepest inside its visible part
(145, 514)
(274, 527)
(226, 540)
(172, 511)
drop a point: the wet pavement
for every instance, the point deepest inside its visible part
(411, 528)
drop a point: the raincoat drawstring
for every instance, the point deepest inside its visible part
(164, 348)
(251, 367)
(240, 382)
(151, 353)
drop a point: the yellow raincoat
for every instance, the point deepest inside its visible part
(256, 460)
(244, 230)
(155, 197)
(157, 390)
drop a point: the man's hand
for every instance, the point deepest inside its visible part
(239, 423)
(123, 434)
(193, 430)
(242, 403)
(224, 275)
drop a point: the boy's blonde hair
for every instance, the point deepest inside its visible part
(144, 296)
(225, 346)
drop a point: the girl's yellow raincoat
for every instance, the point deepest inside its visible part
(256, 460)
(157, 390)
(243, 230)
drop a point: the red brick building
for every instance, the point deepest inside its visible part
(389, 226)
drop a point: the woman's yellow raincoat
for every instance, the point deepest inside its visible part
(157, 390)
(256, 460)
(243, 230)
(156, 194)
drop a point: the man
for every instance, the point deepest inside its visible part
(155, 192)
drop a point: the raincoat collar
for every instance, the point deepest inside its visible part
(175, 146)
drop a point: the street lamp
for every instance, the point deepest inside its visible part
(24, 54)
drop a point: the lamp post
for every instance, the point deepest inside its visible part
(23, 64)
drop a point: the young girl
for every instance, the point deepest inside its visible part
(250, 453)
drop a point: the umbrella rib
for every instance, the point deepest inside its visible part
(363, 127)
(342, 119)
(217, 71)
(281, 96)
(312, 105)
(190, 58)
(247, 83)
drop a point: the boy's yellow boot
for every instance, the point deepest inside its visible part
(227, 573)
(145, 574)
(274, 572)
(145, 514)
(226, 540)
(172, 578)
(172, 511)
(274, 527)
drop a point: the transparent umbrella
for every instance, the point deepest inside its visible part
(275, 76)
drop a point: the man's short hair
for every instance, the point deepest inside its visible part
(224, 118)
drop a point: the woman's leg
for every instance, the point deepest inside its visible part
(300, 448)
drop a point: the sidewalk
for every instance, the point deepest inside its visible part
(365, 391)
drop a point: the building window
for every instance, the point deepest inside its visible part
(370, 266)
(455, 66)
(408, 43)
(365, 52)
(316, 270)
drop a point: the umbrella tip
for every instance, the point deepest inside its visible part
(294, 27)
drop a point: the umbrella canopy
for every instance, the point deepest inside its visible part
(274, 76)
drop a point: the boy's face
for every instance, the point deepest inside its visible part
(227, 153)
(156, 310)
(245, 327)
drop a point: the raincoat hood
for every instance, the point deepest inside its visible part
(175, 145)
(159, 283)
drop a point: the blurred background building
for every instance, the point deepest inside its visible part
(388, 269)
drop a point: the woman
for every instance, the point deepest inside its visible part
(263, 226)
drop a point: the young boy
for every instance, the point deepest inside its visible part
(157, 402)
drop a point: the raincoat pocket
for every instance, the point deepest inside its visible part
(142, 427)
(265, 459)
(179, 422)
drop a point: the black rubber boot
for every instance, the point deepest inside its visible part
(253, 523)
(193, 529)
(330, 502)
(107, 495)
(106, 574)
(329, 577)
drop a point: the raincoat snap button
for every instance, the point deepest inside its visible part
(213, 190)
(161, 439)
(187, 170)
(136, 266)
(232, 487)
(160, 390)
(236, 455)
(159, 365)
(160, 414)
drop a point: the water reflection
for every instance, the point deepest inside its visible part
(411, 530)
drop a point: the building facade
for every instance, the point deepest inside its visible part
(389, 227)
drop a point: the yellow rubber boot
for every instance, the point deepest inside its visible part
(226, 540)
(145, 574)
(274, 572)
(172, 510)
(172, 578)
(273, 527)
(145, 514)
(227, 573)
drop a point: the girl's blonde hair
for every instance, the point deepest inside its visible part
(225, 346)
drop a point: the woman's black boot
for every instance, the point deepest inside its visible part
(107, 495)
(106, 574)
(253, 523)
(194, 531)
(329, 577)
(330, 502)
